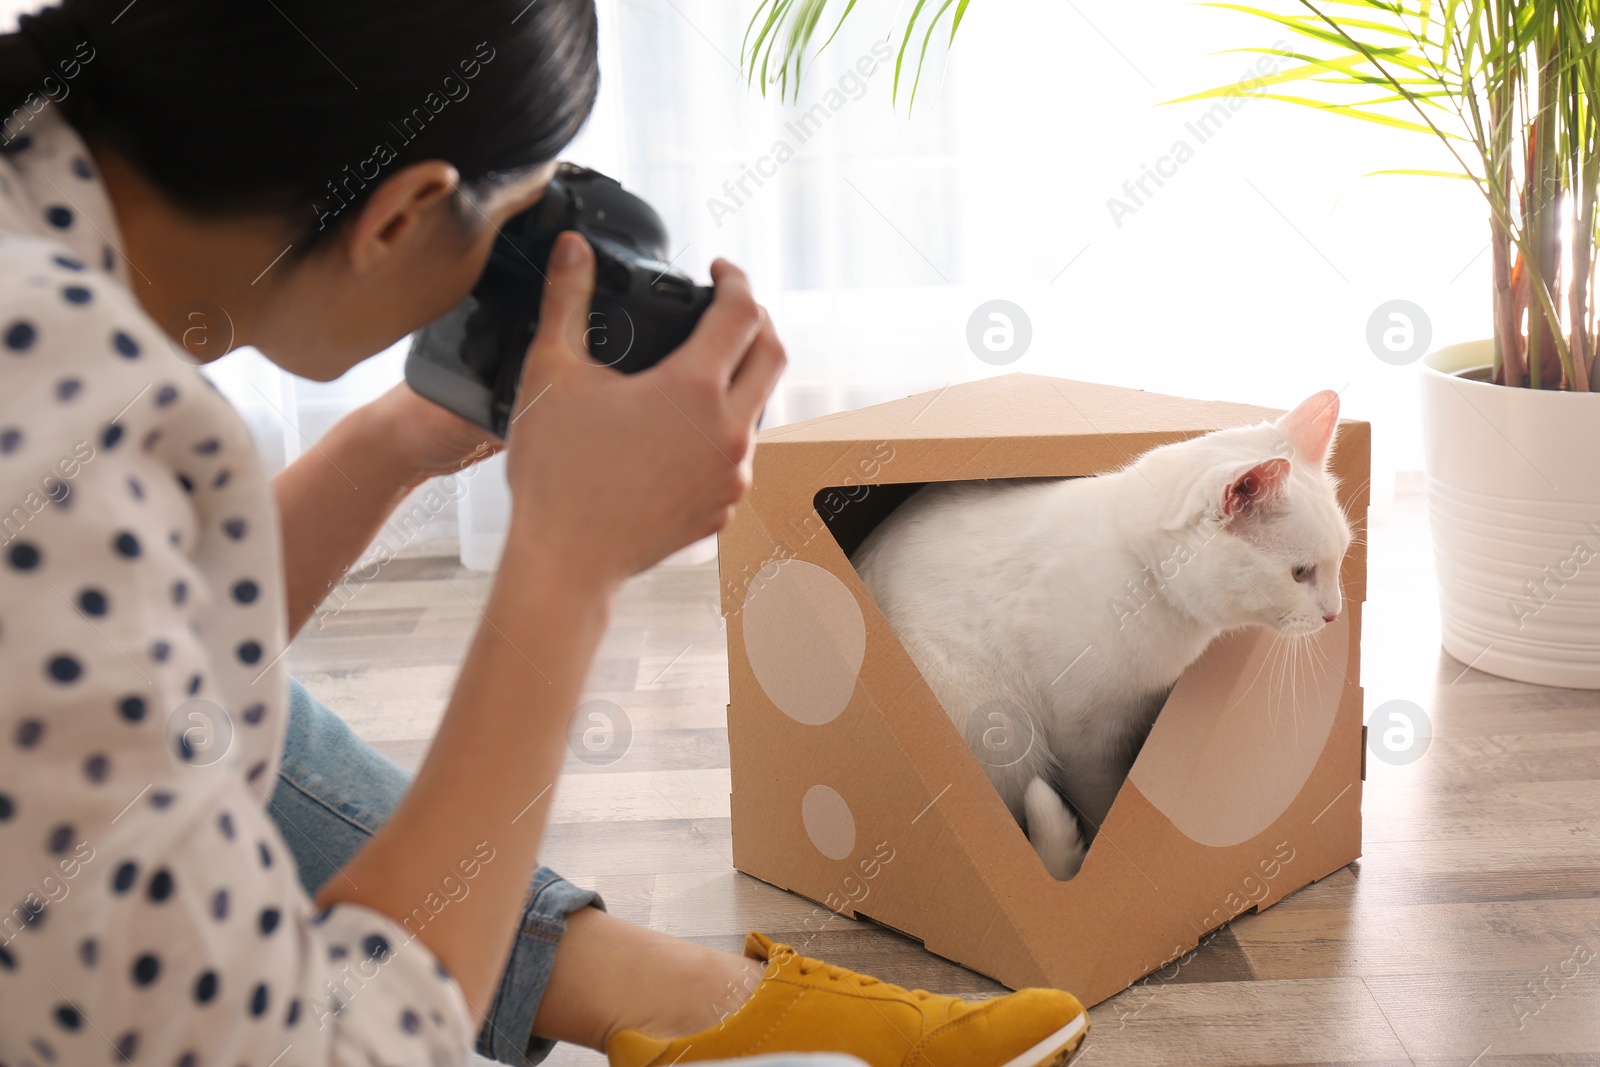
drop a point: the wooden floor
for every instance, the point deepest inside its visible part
(1468, 935)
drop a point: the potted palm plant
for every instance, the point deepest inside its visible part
(1510, 90)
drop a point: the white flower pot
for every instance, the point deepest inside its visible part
(1514, 500)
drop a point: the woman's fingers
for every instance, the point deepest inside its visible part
(728, 326)
(757, 375)
(564, 308)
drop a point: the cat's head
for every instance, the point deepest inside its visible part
(1258, 509)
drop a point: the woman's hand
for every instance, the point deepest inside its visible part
(423, 438)
(612, 472)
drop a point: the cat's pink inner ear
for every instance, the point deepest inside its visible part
(1310, 427)
(1254, 486)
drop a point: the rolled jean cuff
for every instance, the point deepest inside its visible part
(507, 1033)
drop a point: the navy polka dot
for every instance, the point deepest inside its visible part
(76, 294)
(67, 388)
(20, 336)
(219, 905)
(257, 771)
(258, 1001)
(7, 960)
(209, 447)
(107, 260)
(127, 545)
(235, 529)
(135, 488)
(17, 145)
(292, 1016)
(166, 395)
(409, 1021)
(61, 838)
(127, 1047)
(8, 808)
(194, 684)
(93, 602)
(160, 801)
(112, 435)
(43, 1050)
(246, 591)
(267, 921)
(185, 482)
(225, 824)
(131, 708)
(221, 479)
(24, 556)
(28, 733)
(68, 263)
(89, 951)
(150, 440)
(126, 346)
(180, 592)
(125, 875)
(188, 1059)
(160, 887)
(59, 217)
(377, 946)
(146, 969)
(254, 713)
(10, 438)
(68, 1017)
(249, 652)
(160, 651)
(205, 987)
(97, 768)
(266, 854)
(64, 669)
(80, 167)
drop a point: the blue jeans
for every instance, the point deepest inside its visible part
(334, 790)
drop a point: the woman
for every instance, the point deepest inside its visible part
(327, 178)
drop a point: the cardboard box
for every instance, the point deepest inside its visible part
(851, 786)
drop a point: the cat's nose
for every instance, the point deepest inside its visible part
(1331, 618)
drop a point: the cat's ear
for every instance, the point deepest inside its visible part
(1253, 486)
(1224, 492)
(1309, 428)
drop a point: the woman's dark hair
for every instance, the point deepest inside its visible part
(285, 106)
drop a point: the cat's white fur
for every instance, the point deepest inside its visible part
(1052, 617)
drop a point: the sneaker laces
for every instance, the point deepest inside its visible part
(835, 973)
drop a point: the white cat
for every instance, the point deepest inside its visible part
(1051, 617)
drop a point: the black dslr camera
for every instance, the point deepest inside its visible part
(470, 360)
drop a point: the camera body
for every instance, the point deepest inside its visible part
(470, 360)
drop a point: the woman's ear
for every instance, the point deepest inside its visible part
(397, 210)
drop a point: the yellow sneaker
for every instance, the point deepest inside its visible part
(804, 1005)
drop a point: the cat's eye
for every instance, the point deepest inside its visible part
(1302, 572)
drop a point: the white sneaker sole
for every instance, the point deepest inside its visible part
(1057, 1049)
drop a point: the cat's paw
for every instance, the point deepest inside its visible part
(1052, 830)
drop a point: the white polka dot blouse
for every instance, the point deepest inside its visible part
(151, 912)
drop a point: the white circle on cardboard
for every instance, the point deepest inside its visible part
(829, 822)
(805, 639)
(1226, 760)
